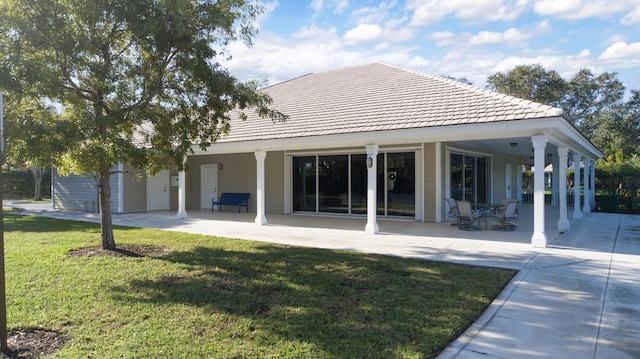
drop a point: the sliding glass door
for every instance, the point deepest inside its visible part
(469, 178)
(338, 184)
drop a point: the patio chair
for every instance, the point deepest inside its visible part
(504, 218)
(503, 206)
(466, 216)
(453, 211)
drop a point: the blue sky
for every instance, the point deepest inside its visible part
(460, 38)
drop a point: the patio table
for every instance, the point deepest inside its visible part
(486, 209)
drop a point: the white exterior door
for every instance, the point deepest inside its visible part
(208, 185)
(158, 191)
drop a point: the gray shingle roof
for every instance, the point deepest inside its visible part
(379, 97)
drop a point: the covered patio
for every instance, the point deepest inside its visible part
(435, 241)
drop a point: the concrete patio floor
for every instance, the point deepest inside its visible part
(577, 298)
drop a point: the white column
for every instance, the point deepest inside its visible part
(507, 181)
(372, 171)
(261, 218)
(577, 214)
(563, 222)
(593, 184)
(555, 182)
(539, 237)
(519, 183)
(182, 193)
(587, 186)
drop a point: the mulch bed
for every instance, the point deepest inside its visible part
(124, 250)
(32, 343)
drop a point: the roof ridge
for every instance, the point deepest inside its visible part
(549, 110)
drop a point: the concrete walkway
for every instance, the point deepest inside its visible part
(577, 298)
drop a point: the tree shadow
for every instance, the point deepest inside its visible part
(349, 305)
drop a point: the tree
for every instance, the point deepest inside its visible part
(135, 81)
(530, 82)
(33, 137)
(594, 104)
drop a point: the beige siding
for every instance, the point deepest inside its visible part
(238, 174)
(274, 182)
(430, 193)
(134, 190)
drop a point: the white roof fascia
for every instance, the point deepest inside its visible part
(557, 129)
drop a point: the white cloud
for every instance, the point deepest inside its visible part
(362, 33)
(622, 53)
(488, 37)
(368, 14)
(581, 9)
(316, 32)
(632, 18)
(337, 6)
(317, 5)
(427, 13)
(444, 38)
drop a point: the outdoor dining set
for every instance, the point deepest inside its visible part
(469, 215)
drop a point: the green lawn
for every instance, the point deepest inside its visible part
(213, 297)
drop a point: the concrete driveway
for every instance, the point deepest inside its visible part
(577, 298)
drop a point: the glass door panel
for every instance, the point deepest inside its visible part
(359, 184)
(304, 183)
(457, 173)
(401, 184)
(469, 178)
(333, 188)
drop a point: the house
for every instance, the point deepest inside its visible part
(375, 140)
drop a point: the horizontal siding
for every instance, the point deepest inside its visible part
(134, 190)
(274, 182)
(73, 192)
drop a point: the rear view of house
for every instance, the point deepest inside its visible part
(371, 141)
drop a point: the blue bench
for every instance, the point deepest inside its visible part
(231, 199)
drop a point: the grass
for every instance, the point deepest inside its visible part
(222, 298)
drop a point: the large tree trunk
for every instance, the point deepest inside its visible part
(106, 225)
(37, 173)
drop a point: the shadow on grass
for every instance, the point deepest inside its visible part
(19, 223)
(345, 304)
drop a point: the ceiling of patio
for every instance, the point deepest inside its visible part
(518, 146)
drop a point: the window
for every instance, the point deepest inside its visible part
(469, 178)
(338, 184)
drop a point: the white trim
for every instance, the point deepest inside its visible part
(558, 130)
(120, 187)
(419, 186)
(288, 184)
(261, 218)
(539, 237)
(461, 151)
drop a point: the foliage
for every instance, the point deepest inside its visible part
(594, 104)
(33, 138)
(531, 82)
(136, 81)
(618, 184)
(20, 184)
(215, 297)
(619, 178)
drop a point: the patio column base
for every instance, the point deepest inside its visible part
(372, 229)
(539, 240)
(563, 224)
(181, 215)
